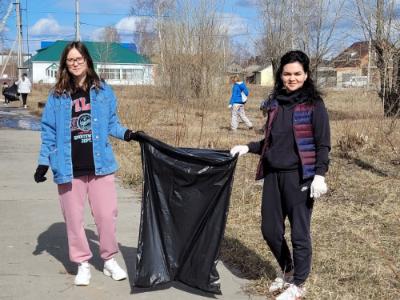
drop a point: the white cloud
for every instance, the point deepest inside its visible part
(49, 26)
(233, 24)
(127, 24)
(125, 27)
(97, 34)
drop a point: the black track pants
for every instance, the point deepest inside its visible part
(285, 194)
(24, 96)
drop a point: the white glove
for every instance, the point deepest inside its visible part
(230, 106)
(318, 186)
(239, 149)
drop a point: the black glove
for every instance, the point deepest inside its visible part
(130, 135)
(41, 170)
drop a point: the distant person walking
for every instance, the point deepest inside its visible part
(79, 116)
(4, 87)
(237, 102)
(24, 88)
(293, 162)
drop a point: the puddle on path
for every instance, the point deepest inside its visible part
(17, 118)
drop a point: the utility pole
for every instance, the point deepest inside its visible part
(291, 24)
(77, 22)
(19, 38)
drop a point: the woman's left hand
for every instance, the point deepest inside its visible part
(239, 149)
(318, 186)
(130, 135)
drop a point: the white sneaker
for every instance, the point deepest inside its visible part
(25, 106)
(83, 276)
(280, 283)
(293, 292)
(112, 269)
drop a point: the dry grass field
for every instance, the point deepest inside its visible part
(355, 227)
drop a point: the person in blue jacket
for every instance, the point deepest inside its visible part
(79, 116)
(236, 103)
(294, 157)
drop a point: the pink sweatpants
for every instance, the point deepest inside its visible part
(102, 196)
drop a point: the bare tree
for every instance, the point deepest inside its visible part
(110, 35)
(308, 25)
(240, 53)
(278, 36)
(146, 38)
(104, 51)
(151, 14)
(194, 48)
(5, 12)
(315, 27)
(190, 43)
(378, 19)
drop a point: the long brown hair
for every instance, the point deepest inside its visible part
(65, 81)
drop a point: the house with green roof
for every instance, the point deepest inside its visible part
(113, 62)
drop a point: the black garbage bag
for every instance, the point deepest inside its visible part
(11, 93)
(185, 204)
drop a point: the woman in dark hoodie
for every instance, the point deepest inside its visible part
(293, 162)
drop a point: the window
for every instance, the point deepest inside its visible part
(109, 73)
(136, 75)
(51, 71)
(347, 76)
(353, 54)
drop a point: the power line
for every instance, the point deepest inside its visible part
(73, 13)
(47, 35)
(137, 31)
(99, 14)
(126, 14)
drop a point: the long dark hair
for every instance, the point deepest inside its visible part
(308, 87)
(65, 80)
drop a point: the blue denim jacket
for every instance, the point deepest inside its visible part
(55, 150)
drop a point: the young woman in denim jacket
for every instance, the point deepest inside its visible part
(293, 162)
(79, 116)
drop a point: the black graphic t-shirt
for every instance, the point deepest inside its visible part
(81, 134)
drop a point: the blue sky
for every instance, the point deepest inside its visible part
(54, 19)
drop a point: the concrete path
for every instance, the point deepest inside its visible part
(34, 260)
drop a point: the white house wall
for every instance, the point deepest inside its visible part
(39, 73)
(148, 74)
(348, 72)
(267, 76)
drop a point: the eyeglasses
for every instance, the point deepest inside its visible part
(78, 60)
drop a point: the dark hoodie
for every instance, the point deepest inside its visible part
(282, 154)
